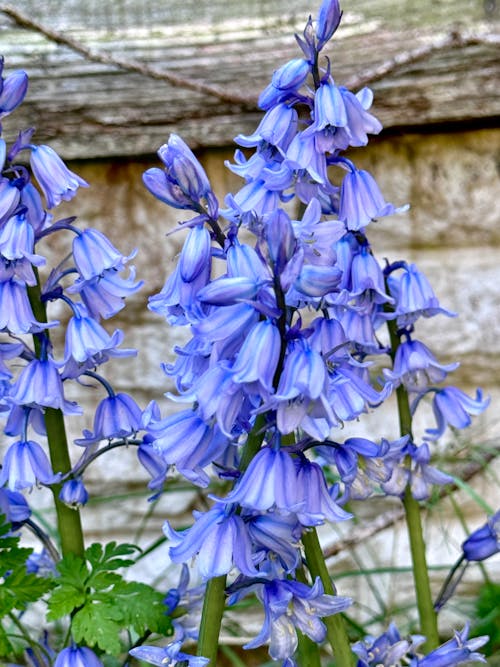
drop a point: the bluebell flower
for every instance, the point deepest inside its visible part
(56, 181)
(16, 314)
(328, 20)
(317, 280)
(484, 541)
(316, 236)
(73, 493)
(94, 253)
(360, 123)
(275, 535)
(219, 538)
(285, 83)
(39, 385)
(269, 481)
(38, 217)
(417, 472)
(302, 155)
(387, 650)
(14, 507)
(277, 128)
(257, 359)
(329, 108)
(414, 296)
(116, 416)
(168, 656)
(77, 656)
(42, 564)
(195, 254)
(12, 90)
(319, 504)
(177, 301)
(25, 464)
(9, 196)
(86, 339)
(184, 439)
(155, 465)
(351, 393)
(456, 651)
(183, 183)
(8, 351)
(104, 295)
(361, 200)
(345, 456)
(452, 407)
(416, 367)
(290, 606)
(17, 238)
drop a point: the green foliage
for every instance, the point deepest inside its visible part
(488, 617)
(18, 588)
(101, 603)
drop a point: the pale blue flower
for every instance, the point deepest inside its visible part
(168, 656)
(290, 606)
(56, 181)
(24, 465)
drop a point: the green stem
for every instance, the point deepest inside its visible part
(211, 619)
(68, 520)
(335, 625)
(214, 602)
(425, 605)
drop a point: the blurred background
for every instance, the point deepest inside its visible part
(111, 79)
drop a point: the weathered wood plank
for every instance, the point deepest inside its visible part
(88, 109)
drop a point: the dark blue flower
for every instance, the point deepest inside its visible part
(12, 91)
(328, 20)
(73, 493)
(56, 181)
(77, 656)
(483, 542)
(14, 507)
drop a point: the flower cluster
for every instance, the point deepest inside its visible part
(284, 298)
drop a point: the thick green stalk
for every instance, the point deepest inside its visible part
(425, 605)
(214, 601)
(335, 625)
(69, 522)
(211, 619)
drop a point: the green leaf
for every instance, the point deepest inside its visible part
(143, 608)
(63, 601)
(73, 570)
(99, 624)
(6, 647)
(111, 557)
